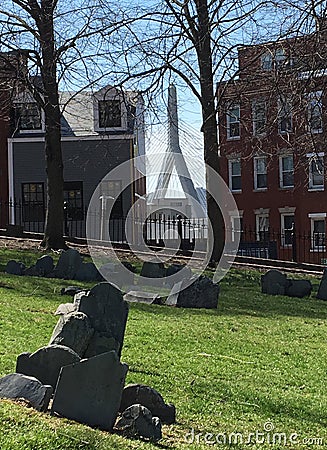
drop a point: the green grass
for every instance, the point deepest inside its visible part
(256, 360)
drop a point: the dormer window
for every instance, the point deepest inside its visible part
(110, 114)
(27, 116)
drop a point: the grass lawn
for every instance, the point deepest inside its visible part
(256, 366)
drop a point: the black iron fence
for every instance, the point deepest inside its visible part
(165, 231)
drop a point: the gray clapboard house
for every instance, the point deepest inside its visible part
(99, 131)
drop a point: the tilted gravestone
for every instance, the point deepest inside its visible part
(44, 265)
(68, 264)
(202, 293)
(274, 282)
(107, 311)
(45, 363)
(153, 269)
(73, 330)
(16, 386)
(299, 288)
(137, 421)
(322, 291)
(90, 391)
(15, 268)
(150, 398)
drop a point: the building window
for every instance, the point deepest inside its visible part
(262, 227)
(259, 117)
(110, 114)
(235, 179)
(27, 116)
(316, 171)
(318, 231)
(233, 122)
(267, 61)
(237, 227)
(284, 115)
(287, 229)
(280, 58)
(273, 59)
(286, 171)
(111, 191)
(315, 112)
(260, 172)
(33, 202)
(73, 200)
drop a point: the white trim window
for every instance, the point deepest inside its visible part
(287, 229)
(260, 172)
(318, 231)
(233, 122)
(262, 225)
(316, 171)
(285, 119)
(315, 112)
(259, 117)
(237, 226)
(286, 171)
(235, 175)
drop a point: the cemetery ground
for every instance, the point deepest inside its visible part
(256, 366)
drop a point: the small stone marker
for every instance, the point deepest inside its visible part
(87, 272)
(202, 293)
(45, 363)
(107, 311)
(68, 264)
(137, 421)
(16, 385)
(153, 269)
(15, 268)
(44, 265)
(299, 288)
(322, 291)
(73, 330)
(274, 282)
(90, 391)
(143, 297)
(151, 399)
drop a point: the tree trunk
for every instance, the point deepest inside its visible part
(53, 233)
(209, 127)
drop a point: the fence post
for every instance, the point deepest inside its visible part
(294, 248)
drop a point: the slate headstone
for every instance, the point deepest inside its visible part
(73, 330)
(137, 421)
(274, 282)
(151, 399)
(87, 272)
(90, 391)
(106, 309)
(101, 343)
(44, 265)
(16, 385)
(15, 268)
(68, 264)
(299, 288)
(322, 291)
(45, 363)
(202, 293)
(153, 269)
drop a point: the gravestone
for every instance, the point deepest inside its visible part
(101, 343)
(68, 264)
(153, 269)
(174, 269)
(15, 268)
(137, 421)
(44, 265)
(274, 282)
(45, 363)
(116, 274)
(299, 288)
(322, 291)
(90, 390)
(202, 293)
(16, 386)
(87, 272)
(151, 399)
(143, 297)
(107, 311)
(73, 330)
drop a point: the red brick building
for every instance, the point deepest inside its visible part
(273, 145)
